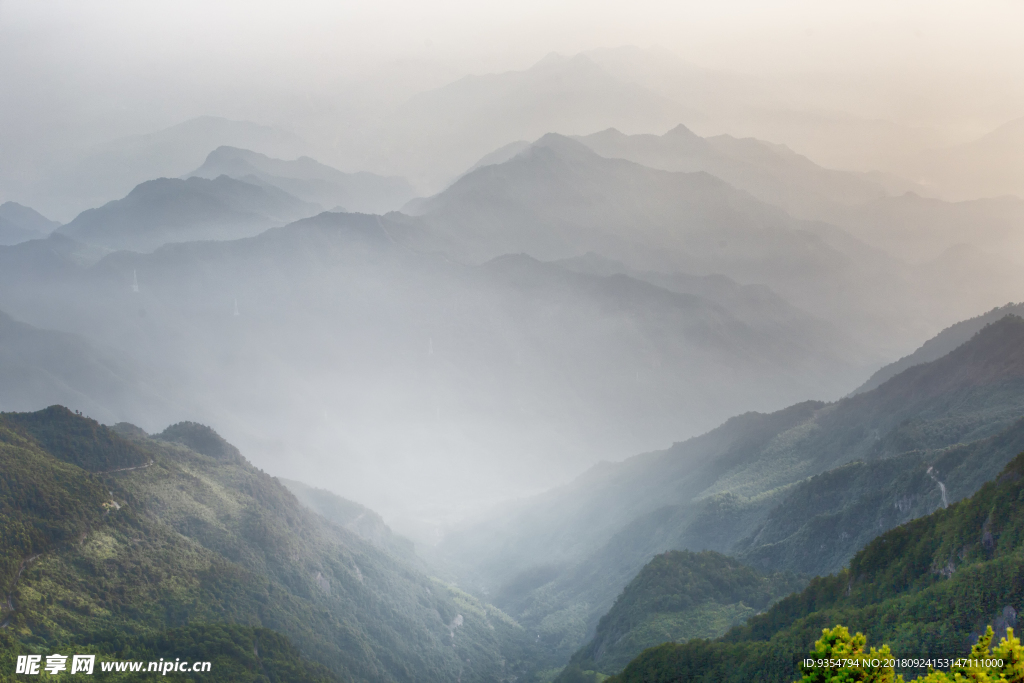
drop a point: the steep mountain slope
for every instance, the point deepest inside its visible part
(161, 536)
(547, 369)
(675, 597)
(927, 589)
(818, 525)
(309, 180)
(352, 516)
(557, 561)
(941, 344)
(172, 210)
(20, 223)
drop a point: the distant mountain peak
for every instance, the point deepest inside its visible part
(681, 132)
(201, 439)
(565, 146)
(19, 223)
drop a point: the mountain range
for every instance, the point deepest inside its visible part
(536, 361)
(697, 300)
(90, 177)
(309, 180)
(772, 173)
(928, 589)
(960, 253)
(800, 489)
(437, 134)
(558, 199)
(122, 544)
(174, 210)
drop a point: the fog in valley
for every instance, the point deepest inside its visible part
(440, 257)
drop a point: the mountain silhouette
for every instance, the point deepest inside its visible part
(309, 180)
(174, 210)
(20, 223)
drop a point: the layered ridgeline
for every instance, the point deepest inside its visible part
(174, 210)
(20, 223)
(675, 597)
(801, 489)
(960, 255)
(309, 180)
(941, 344)
(884, 211)
(138, 547)
(558, 199)
(772, 173)
(928, 588)
(331, 330)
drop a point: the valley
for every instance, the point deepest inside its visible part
(346, 354)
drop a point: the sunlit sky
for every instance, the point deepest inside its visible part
(346, 37)
(77, 54)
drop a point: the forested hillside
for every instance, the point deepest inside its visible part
(927, 588)
(677, 596)
(136, 546)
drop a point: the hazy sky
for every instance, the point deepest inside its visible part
(99, 65)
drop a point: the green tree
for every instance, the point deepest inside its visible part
(1004, 664)
(839, 657)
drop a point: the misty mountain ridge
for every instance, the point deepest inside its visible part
(443, 131)
(469, 357)
(941, 344)
(106, 171)
(885, 212)
(433, 136)
(20, 223)
(773, 173)
(310, 181)
(558, 199)
(737, 489)
(181, 210)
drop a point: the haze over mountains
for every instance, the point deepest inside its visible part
(309, 180)
(492, 355)
(467, 357)
(699, 294)
(800, 489)
(430, 132)
(169, 210)
(20, 223)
